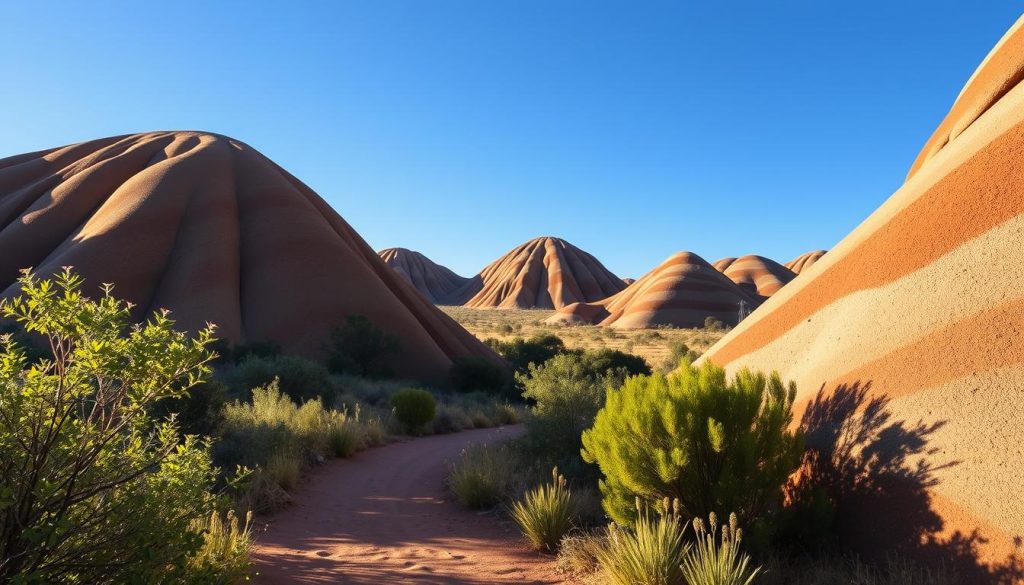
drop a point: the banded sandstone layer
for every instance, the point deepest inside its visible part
(544, 273)
(208, 227)
(804, 261)
(683, 291)
(910, 332)
(757, 275)
(436, 282)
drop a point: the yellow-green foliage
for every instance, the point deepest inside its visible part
(716, 559)
(651, 552)
(227, 543)
(695, 436)
(545, 513)
(94, 488)
(414, 408)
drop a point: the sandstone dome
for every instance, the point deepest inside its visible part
(804, 261)
(919, 310)
(757, 275)
(544, 273)
(208, 227)
(682, 291)
(434, 281)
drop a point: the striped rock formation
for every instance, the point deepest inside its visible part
(544, 273)
(757, 275)
(208, 227)
(804, 261)
(434, 281)
(917, 316)
(682, 291)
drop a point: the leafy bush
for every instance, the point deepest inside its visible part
(678, 352)
(93, 488)
(359, 347)
(469, 373)
(520, 353)
(698, 437)
(650, 553)
(545, 513)
(616, 363)
(300, 379)
(714, 562)
(566, 396)
(199, 411)
(450, 419)
(414, 408)
(713, 324)
(479, 478)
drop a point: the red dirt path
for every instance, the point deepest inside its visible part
(384, 517)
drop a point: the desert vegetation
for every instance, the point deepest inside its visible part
(657, 346)
(647, 464)
(138, 453)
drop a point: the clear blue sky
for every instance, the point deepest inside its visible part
(461, 129)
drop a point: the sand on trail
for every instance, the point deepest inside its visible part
(384, 517)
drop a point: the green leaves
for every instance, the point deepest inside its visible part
(92, 488)
(696, 436)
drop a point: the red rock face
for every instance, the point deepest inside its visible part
(906, 342)
(434, 281)
(682, 291)
(804, 261)
(208, 227)
(544, 273)
(758, 276)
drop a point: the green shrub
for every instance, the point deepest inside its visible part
(718, 562)
(450, 419)
(504, 414)
(344, 436)
(199, 411)
(260, 349)
(479, 478)
(678, 352)
(414, 408)
(469, 373)
(359, 347)
(696, 436)
(480, 420)
(299, 378)
(615, 363)
(713, 324)
(93, 487)
(650, 553)
(545, 514)
(566, 396)
(520, 353)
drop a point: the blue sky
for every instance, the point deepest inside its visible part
(463, 128)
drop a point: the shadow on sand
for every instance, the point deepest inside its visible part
(869, 476)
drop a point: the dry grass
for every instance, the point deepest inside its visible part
(654, 345)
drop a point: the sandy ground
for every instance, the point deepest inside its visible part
(384, 517)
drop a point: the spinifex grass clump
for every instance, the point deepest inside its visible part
(545, 513)
(478, 479)
(717, 560)
(649, 553)
(226, 547)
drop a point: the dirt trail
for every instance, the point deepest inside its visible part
(383, 517)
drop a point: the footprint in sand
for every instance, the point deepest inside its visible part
(411, 566)
(507, 571)
(322, 553)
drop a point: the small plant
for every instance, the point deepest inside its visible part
(578, 553)
(414, 408)
(343, 435)
(718, 561)
(478, 479)
(545, 513)
(649, 553)
(227, 544)
(284, 469)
